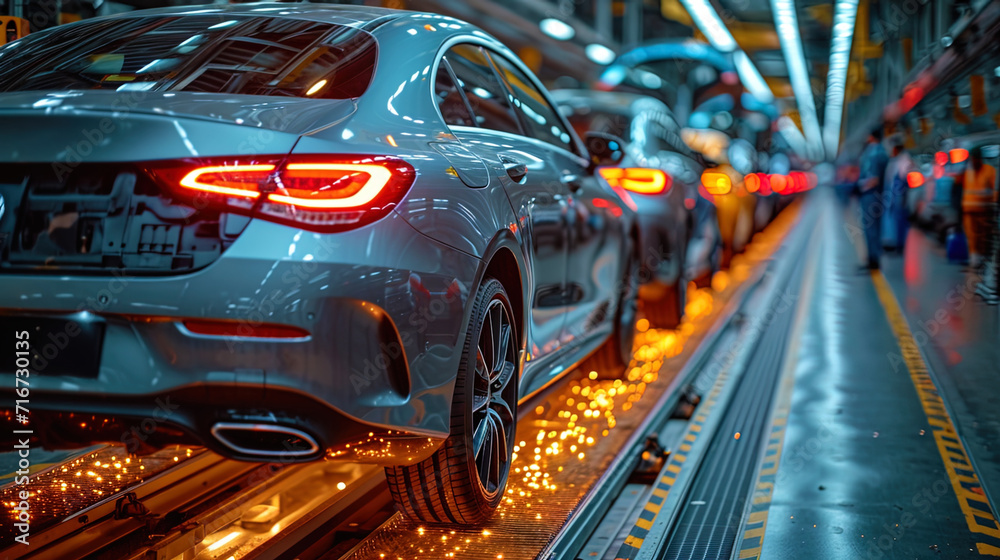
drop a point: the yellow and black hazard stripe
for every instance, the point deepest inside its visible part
(979, 516)
(675, 463)
(755, 523)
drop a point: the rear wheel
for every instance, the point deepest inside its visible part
(666, 311)
(614, 355)
(464, 481)
(663, 304)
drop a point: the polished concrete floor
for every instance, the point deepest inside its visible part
(892, 443)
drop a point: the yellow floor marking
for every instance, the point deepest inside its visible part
(952, 450)
(756, 524)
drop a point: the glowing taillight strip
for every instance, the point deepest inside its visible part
(378, 175)
(640, 180)
(716, 183)
(644, 181)
(191, 179)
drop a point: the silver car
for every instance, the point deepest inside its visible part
(294, 231)
(678, 230)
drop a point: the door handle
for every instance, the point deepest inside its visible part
(516, 169)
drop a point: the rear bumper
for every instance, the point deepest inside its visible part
(188, 415)
(385, 308)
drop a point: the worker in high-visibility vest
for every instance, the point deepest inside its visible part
(978, 199)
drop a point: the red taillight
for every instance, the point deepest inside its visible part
(799, 181)
(313, 192)
(941, 158)
(243, 329)
(779, 183)
(640, 180)
(752, 182)
(228, 180)
(765, 184)
(915, 179)
(716, 183)
(958, 155)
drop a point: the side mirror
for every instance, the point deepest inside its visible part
(605, 149)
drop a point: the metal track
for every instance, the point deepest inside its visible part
(598, 501)
(654, 534)
(708, 523)
(90, 529)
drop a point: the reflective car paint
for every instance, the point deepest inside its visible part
(395, 289)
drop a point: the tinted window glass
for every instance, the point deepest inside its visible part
(541, 119)
(585, 119)
(479, 82)
(450, 99)
(207, 53)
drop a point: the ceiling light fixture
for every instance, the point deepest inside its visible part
(710, 25)
(718, 35)
(600, 54)
(557, 29)
(787, 25)
(844, 18)
(751, 78)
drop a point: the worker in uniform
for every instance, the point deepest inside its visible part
(895, 221)
(871, 185)
(978, 197)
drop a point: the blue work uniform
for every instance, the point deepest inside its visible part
(873, 163)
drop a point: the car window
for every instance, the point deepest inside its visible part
(450, 100)
(217, 53)
(482, 88)
(540, 118)
(584, 119)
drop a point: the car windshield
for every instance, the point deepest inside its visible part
(216, 53)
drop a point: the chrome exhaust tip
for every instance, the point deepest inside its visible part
(265, 440)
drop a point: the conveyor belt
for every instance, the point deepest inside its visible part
(708, 524)
(718, 454)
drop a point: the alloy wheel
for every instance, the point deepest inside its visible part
(494, 398)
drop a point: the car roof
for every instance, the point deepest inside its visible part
(608, 101)
(342, 14)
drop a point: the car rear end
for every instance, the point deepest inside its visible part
(182, 276)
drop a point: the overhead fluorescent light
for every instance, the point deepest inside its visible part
(844, 17)
(600, 54)
(793, 136)
(786, 22)
(718, 35)
(751, 78)
(557, 29)
(711, 26)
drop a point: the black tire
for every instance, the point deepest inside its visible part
(464, 481)
(611, 359)
(667, 311)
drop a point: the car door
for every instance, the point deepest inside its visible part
(595, 253)
(531, 183)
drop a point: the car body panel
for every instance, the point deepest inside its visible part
(386, 305)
